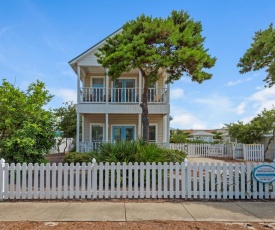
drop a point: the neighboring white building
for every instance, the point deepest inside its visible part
(61, 145)
(110, 110)
(202, 135)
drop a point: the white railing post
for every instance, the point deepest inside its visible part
(2, 165)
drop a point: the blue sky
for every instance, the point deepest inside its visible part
(38, 38)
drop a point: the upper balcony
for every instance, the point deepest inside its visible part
(121, 95)
(122, 100)
(99, 93)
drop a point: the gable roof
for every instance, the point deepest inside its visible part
(94, 47)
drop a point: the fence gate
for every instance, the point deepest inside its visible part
(205, 150)
(253, 152)
(238, 151)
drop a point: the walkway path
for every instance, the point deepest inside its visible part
(204, 160)
(137, 211)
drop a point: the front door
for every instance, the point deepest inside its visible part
(123, 133)
(124, 90)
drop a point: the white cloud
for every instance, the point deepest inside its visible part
(240, 108)
(186, 79)
(65, 94)
(259, 88)
(263, 99)
(177, 93)
(216, 103)
(232, 83)
(185, 120)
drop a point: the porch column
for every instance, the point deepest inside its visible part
(77, 132)
(168, 131)
(82, 129)
(107, 87)
(78, 84)
(164, 129)
(168, 94)
(139, 86)
(106, 126)
(139, 125)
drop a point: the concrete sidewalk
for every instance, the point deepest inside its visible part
(138, 211)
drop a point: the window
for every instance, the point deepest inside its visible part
(152, 133)
(97, 132)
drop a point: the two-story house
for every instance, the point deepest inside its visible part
(110, 110)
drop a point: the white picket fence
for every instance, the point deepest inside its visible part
(253, 152)
(203, 150)
(105, 181)
(248, 152)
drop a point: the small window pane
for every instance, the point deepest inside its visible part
(97, 133)
(97, 81)
(152, 133)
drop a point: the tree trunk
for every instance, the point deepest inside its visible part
(144, 116)
(66, 141)
(269, 142)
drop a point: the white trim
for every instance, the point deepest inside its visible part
(91, 80)
(106, 126)
(78, 83)
(107, 85)
(139, 86)
(164, 129)
(93, 48)
(168, 130)
(168, 94)
(123, 126)
(99, 124)
(77, 132)
(125, 78)
(156, 125)
(83, 125)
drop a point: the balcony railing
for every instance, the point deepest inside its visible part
(94, 94)
(121, 95)
(156, 95)
(124, 95)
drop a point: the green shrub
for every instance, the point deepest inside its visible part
(135, 151)
(74, 157)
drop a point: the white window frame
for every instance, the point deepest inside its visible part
(91, 80)
(125, 78)
(99, 124)
(156, 125)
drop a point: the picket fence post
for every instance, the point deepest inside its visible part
(2, 171)
(94, 178)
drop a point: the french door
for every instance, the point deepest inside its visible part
(97, 91)
(124, 91)
(123, 133)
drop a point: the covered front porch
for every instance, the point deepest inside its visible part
(100, 128)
